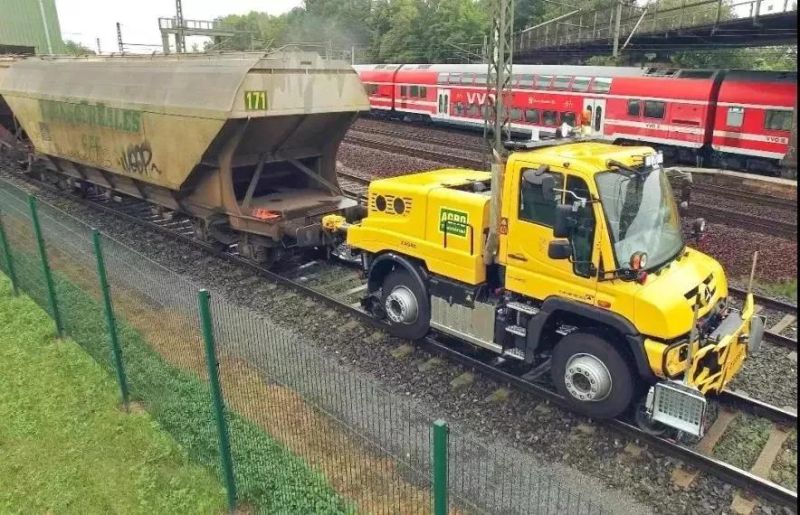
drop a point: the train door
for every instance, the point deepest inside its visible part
(443, 106)
(596, 109)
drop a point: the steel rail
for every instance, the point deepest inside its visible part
(729, 473)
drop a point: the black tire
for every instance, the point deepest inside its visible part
(623, 381)
(419, 327)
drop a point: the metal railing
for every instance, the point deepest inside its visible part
(597, 25)
(287, 427)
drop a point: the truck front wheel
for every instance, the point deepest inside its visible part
(592, 375)
(406, 305)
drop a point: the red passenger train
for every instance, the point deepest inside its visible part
(731, 119)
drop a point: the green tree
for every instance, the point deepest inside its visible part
(75, 48)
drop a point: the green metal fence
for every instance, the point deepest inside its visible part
(286, 427)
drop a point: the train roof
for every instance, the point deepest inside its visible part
(204, 85)
(518, 69)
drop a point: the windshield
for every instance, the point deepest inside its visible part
(642, 216)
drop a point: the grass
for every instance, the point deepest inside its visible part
(66, 445)
(269, 477)
(786, 288)
(743, 441)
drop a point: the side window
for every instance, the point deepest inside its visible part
(654, 109)
(778, 120)
(516, 114)
(532, 116)
(735, 116)
(533, 207)
(569, 119)
(403, 91)
(423, 92)
(415, 91)
(582, 237)
(561, 83)
(543, 81)
(550, 118)
(634, 108)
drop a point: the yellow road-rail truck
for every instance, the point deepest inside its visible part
(591, 277)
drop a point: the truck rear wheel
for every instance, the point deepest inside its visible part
(406, 305)
(592, 375)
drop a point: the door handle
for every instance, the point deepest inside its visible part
(518, 257)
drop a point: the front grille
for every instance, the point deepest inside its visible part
(709, 286)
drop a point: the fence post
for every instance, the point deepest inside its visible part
(48, 275)
(440, 470)
(216, 397)
(6, 249)
(111, 322)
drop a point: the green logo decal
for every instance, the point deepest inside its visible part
(453, 222)
(95, 115)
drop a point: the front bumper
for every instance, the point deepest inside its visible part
(716, 359)
(719, 356)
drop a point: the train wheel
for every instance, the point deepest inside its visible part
(261, 254)
(407, 306)
(592, 375)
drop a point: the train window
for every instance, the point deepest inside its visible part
(532, 116)
(561, 83)
(550, 118)
(460, 108)
(442, 78)
(778, 120)
(735, 116)
(580, 84)
(526, 81)
(534, 207)
(475, 110)
(467, 79)
(403, 91)
(372, 89)
(654, 109)
(543, 81)
(634, 107)
(569, 118)
(601, 85)
(423, 92)
(480, 79)
(516, 114)
(454, 78)
(414, 91)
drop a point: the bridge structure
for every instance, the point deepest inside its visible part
(657, 28)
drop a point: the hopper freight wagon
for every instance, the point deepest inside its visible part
(243, 143)
(7, 125)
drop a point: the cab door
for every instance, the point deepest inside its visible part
(443, 106)
(596, 109)
(529, 269)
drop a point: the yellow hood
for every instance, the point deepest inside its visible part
(664, 305)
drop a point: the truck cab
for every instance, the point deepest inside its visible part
(592, 279)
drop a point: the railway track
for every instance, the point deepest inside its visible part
(398, 148)
(339, 285)
(401, 135)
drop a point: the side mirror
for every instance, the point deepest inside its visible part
(559, 249)
(541, 178)
(698, 229)
(564, 221)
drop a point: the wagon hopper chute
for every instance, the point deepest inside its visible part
(244, 143)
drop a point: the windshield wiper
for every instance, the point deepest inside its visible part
(623, 166)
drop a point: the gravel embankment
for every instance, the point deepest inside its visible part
(552, 435)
